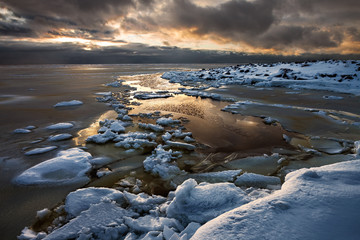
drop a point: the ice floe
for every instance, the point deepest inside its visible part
(152, 127)
(60, 126)
(60, 137)
(41, 150)
(69, 103)
(151, 95)
(22, 130)
(161, 163)
(70, 166)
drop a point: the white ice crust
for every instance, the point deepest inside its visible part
(70, 166)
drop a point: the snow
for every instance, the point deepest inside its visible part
(60, 137)
(315, 203)
(142, 202)
(333, 75)
(81, 200)
(21, 130)
(161, 163)
(181, 145)
(69, 103)
(108, 135)
(167, 121)
(202, 202)
(210, 177)
(36, 151)
(41, 214)
(151, 95)
(60, 126)
(152, 127)
(151, 223)
(70, 166)
(104, 220)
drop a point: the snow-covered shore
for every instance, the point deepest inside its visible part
(335, 76)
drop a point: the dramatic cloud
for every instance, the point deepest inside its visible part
(284, 27)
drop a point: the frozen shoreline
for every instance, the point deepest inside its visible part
(140, 216)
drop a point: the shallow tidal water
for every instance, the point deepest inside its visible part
(28, 93)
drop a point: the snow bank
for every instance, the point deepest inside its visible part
(315, 203)
(70, 166)
(69, 103)
(200, 203)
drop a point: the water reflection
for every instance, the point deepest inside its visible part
(83, 134)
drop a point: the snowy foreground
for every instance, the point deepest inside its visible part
(335, 76)
(315, 203)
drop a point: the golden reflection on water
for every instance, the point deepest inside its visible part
(83, 134)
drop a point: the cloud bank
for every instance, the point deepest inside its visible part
(275, 27)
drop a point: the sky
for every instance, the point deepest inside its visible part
(146, 31)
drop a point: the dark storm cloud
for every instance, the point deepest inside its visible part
(43, 16)
(232, 19)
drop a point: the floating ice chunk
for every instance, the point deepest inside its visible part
(117, 127)
(151, 223)
(210, 177)
(100, 161)
(152, 127)
(203, 202)
(256, 180)
(327, 146)
(181, 145)
(135, 135)
(41, 214)
(69, 103)
(101, 220)
(167, 121)
(114, 84)
(60, 126)
(179, 134)
(160, 163)
(27, 234)
(60, 137)
(189, 139)
(330, 194)
(21, 130)
(332, 97)
(167, 136)
(108, 135)
(142, 202)
(145, 96)
(127, 118)
(81, 200)
(70, 166)
(135, 143)
(103, 93)
(30, 127)
(40, 150)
